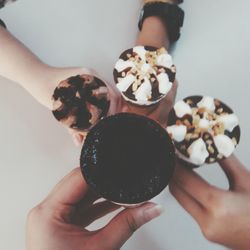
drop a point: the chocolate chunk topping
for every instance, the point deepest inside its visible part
(78, 105)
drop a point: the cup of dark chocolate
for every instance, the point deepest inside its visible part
(127, 159)
(204, 130)
(144, 75)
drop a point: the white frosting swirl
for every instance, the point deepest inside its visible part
(165, 60)
(177, 132)
(140, 50)
(125, 83)
(164, 84)
(198, 152)
(146, 71)
(143, 92)
(207, 102)
(181, 108)
(224, 145)
(122, 65)
(230, 121)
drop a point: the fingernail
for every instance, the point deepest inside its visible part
(153, 212)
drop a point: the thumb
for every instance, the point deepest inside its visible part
(121, 227)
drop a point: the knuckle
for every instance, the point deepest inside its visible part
(209, 231)
(76, 170)
(217, 208)
(214, 198)
(171, 188)
(132, 223)
(35, 213)
(40, 216)
(217, 215)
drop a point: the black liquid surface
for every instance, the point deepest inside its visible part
(127, 158)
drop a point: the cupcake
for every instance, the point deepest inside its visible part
(144, 75)
(204, 129)
(79, 102)
(127, 159)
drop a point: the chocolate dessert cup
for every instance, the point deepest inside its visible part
(204, 130)
(79, 102)
(144, 75)
(127, 159)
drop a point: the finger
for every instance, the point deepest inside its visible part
(166, 104)
(88, 200)
(116, 101)
(169, 99)
(70, 190)
(125, 108)
(192, 206)
(98, 210)
(172, 95)
(195, 186)
(90, 71)
(236, 173)
(78, 139)
(120, 229)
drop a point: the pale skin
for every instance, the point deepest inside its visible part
(60, 221)
(223, 215)
(214, 209)
(20, 65)
(154, 33)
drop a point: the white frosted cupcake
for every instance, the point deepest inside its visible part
(203, 129)
(144, 75)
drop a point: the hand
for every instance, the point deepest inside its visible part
(160, 114)
(117, 105)
(116, 102)
(223, 216)
(59, 221)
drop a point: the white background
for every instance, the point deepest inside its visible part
(35, 152)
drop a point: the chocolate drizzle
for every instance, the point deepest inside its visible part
(151, 54)
(207, 136)
(155, 89)
(74, 97)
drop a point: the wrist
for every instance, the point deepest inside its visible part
(171, 14)
(154, 27)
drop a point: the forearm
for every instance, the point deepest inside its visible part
(20, 65)
(153, 33)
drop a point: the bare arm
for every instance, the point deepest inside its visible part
(153, 33)
(223, 216)
(20, 65)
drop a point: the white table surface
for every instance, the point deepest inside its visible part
(35, 152)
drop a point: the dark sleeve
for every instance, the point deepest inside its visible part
(2, 3)
(2, 24)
